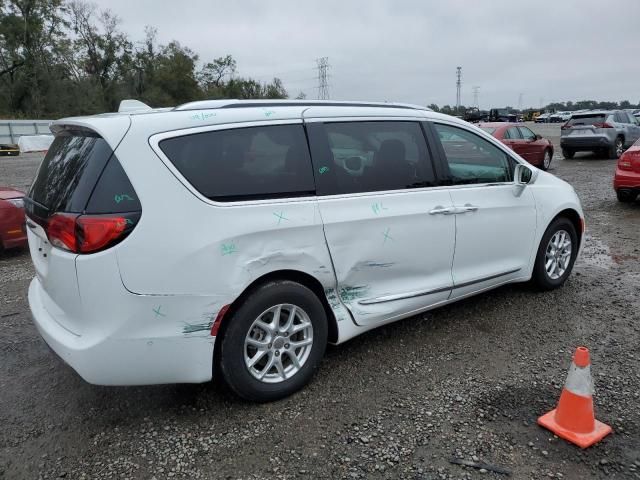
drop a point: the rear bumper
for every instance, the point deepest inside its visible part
(586, 143)
(124, 357)
(624, 179)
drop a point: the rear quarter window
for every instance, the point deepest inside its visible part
(244, 163)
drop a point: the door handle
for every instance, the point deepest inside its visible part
(440, 210)
(467, 208)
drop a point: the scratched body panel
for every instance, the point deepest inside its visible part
(387, 244)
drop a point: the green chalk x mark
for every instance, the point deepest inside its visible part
(158, 312)
(387, 236)
(280, 217)
(121, 197)
(323, 170)
(228, 248)
(268, 113)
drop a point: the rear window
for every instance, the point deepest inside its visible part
(244, 163)
(586, 119)
(70, 170)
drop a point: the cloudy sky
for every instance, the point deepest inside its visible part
(408, 50)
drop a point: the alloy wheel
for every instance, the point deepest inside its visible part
(278, 343)
(558, 254)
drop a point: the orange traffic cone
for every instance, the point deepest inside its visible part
(573, 419)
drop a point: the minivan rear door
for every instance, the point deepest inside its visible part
(390, 236)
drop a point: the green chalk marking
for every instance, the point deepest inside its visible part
(158, 312)
(228, 248)
(378, 207)
(280, 217)
(121, 197)
(323, 170)
(202, 116)
(386, 236)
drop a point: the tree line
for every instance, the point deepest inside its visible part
(61, 58)
(551, 107)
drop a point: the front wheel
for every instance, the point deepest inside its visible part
(556, 254)
(274, 341)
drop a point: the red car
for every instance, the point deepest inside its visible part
(626, 181)
(12, 222)
(532, 147)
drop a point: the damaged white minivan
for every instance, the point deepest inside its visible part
(237, 238)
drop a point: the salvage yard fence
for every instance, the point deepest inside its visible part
(12, 130)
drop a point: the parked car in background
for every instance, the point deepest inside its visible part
(12, 220)
(626, 181)
(9, 150)
(603, 132)
(543, 118)
(532, 147)
(502, 115)
(237, 238)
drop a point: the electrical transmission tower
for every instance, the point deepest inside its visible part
(458, 86)
(323, 85)
(476, 93)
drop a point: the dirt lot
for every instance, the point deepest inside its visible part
(468, 381)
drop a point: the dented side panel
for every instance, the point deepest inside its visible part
(390, 255)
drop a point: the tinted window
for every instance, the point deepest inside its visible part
(526, 133)
(472, 159)
(588, 119)
(70, 170)
(114, 192)
(512, 133)
(370, 156)
(244, 163)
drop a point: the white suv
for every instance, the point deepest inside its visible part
(237, 238)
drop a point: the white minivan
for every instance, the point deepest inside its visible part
(237, 238)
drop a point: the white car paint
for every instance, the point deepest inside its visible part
(142, 311)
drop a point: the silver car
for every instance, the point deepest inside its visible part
(599, 131)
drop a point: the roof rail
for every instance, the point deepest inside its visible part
(235, 103)
(131, 105)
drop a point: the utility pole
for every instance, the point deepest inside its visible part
(458, 87)
(520, 97)
(323, 85)
(476, 92)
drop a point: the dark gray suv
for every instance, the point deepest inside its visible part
(600, 131)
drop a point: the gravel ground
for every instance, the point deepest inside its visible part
(467, 381)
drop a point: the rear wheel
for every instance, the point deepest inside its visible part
(568, 153)
(274, 341)
(546, 161)
(556, 254)
(626, 196)
(617, 148)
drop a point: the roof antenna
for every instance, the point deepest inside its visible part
(132, 106)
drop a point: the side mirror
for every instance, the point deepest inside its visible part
(353, 163)
(523, 175)
(538, 136)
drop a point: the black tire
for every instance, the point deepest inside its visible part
(617, 148)
(540, 277)
(568, 153)
(231, 359)
(626, 196)
(546, 160)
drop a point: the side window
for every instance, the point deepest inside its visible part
(526, 133)
(473, 159)
(512, 133)
(351, 157)
(621, 118)
(244, 163)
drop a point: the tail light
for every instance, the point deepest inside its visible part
(602, 125)
(629, 159)
(89, 233)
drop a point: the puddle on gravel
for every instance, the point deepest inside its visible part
(596, 253)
